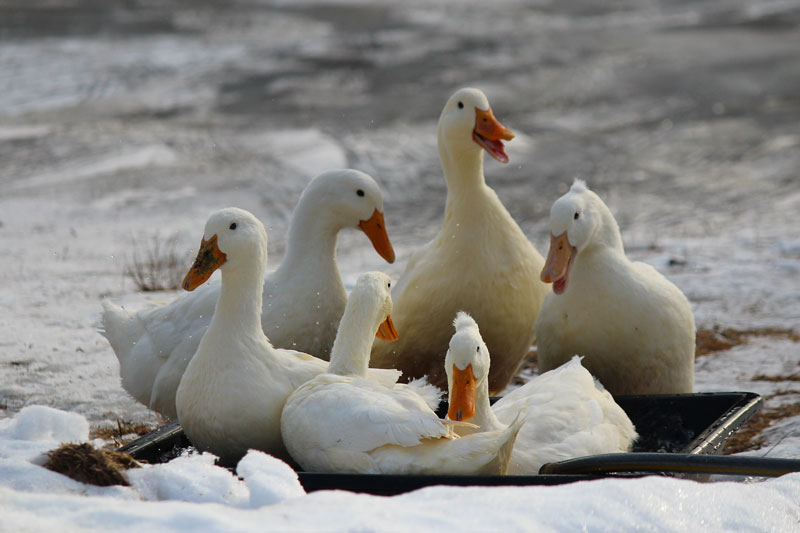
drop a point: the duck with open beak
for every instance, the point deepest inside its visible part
(209, 258)
(375, 229)
(490, 134)
(559, 262)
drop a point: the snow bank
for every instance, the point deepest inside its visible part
(190, 494)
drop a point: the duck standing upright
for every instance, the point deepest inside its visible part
(303, 300)
(342, 422)
(231, 395)
(479, 262)
(568, 414)
(634, 328)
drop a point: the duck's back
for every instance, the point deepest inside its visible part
(332, 423)
(481, 263)
(568, 415)
(301, 311)
(634, 328)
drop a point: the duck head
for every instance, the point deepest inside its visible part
(468, 124)
(578, 220)
(372, 293)
(351, 199)
(467, 367)
(232, 237)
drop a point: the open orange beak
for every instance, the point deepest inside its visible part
(559, 262)
(490, 134)
(375, 229)
(209, 258)
(386, 330)
(462, 394)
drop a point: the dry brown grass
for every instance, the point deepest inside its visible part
(749, 436)
(720, 340)
(84, 463)
(157, 265)
(124, 431)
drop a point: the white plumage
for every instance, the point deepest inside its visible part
(232, 393)
(303, 300)
(568, 413)
(634, 328)
(480, 261)
(341, 422)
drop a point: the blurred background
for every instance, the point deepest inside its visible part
(125, 121)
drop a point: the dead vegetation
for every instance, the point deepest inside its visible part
(749, 436)
(157, 265)
(720, 340)
(123, 432)
(82, 462)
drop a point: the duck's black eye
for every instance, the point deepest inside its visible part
(577, 214)
(233, 225)
(479, 349)
(389, 285)
(461, 105)
(360, 192)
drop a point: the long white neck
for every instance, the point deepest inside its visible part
(353, 343)
(238, 311)
(484, 416)
(312, 240)
(463, 171)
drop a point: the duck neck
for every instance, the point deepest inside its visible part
(238, 310)
(312, 241)
(463, 172)
(484, 415)
(351, 348)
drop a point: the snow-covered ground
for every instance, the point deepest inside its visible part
(125, 122)
(190, 493)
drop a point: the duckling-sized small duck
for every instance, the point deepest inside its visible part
(303, 300)
(342, 422)
(569, 414)
(634, 328)
(479, 262)
(231, 396)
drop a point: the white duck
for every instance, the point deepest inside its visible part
(569, 414)
(303, 299)
(233, 390)
(341, 422)
(480, 261)
(634, 328)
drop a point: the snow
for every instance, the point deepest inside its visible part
(190, 493)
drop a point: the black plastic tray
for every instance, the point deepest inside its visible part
(694, 424)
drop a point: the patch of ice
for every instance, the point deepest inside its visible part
(307, 151)
(17, 133)
(146, 156)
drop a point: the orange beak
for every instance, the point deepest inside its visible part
(490, 134)
(209, 258)
(386, 330)
(559, 262)
(462, 394)
(375, 229)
